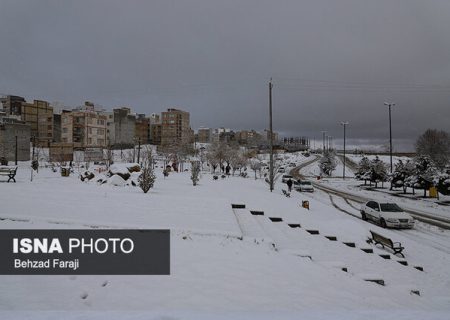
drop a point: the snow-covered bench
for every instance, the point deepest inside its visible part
(386, 242)
(9, 171)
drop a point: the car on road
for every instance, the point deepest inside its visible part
(292, 165)
(286, 177)
(281, 170)
(304, 186)
(386, 214)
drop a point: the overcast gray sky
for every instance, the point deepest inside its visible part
(331, 60)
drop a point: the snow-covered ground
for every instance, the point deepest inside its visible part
(215, 274)
(313, 170)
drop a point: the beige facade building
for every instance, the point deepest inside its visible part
(84, 127)
(175, 129)
(204, 135)
(39, 116)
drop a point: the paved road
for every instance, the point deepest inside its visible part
(441, 222)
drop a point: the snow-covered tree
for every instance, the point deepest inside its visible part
(195, 172)
(363, 170)
(327, 163)
(378, 171)
(443, 182)
(401, 172)
(255, 165)
(238, 161)
(424, 176)
(147, 178)
(217, 154)
(435, 144)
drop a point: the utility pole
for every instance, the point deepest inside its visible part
(389, 104)
(139, 149)
(323, 144)
(271, 136)
(15, 153)
(344, 124)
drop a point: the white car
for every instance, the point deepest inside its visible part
(281, 170)
(387, 215)
(286, 177)
(304, 186)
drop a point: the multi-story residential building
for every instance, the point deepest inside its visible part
(84, 127)
(57, 128)
(12, 105)
(155, 129)
(155, 133)
(175, 129)
(110, 129)
(14, 139)
(142, 129)
(124, 128)
(39, 116)
(204, 135)
(249, 137)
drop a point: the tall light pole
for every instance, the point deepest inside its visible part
(390, 104)
(344, 124)
(271, 136)
(323, 143)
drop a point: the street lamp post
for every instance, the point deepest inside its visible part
(344, 124)
(389, 104)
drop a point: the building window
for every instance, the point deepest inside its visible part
(90, 140)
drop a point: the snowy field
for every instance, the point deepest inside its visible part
(225, 263)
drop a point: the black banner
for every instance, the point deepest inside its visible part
(85, 252)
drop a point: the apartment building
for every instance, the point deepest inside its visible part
(12, 105)
(142, 129)
(123, 133)
(175, 129)
(84, 127)
(14, 139)
(39, 116)
(204, 135)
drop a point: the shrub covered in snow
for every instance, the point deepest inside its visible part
(195, 172)
(116, 180)
(147, 177)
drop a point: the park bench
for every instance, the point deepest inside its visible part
(286, 193)
(9, 171)
(386, 242)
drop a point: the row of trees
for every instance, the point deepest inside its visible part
(430, 168)
(420, 173)
(374, 171)
(218, 155)
(230, 159)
